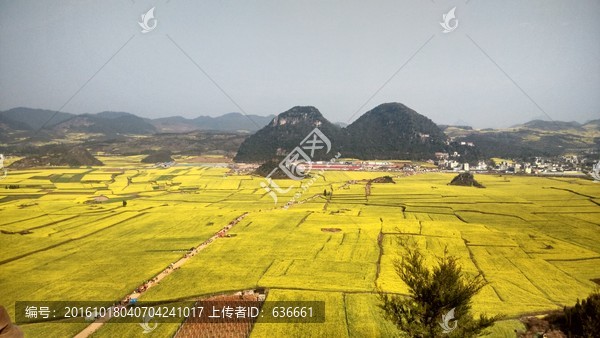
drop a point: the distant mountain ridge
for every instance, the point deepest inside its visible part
(34, 118)
(389, 131)
(113, 123)
(105, 123)
(59, 155)
(533, 138)
(550, 125)
(227, 122)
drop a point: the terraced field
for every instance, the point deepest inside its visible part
(67, 236)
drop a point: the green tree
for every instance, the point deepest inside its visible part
(436, 295)
(583, 319)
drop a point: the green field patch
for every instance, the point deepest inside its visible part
(429, 209)
(61, 232)
(365, 317)
(512, 285)
(63, 328)
(33, 223)
(551, 280)
(477, 234)
(445, 229)
(584, 270)
(332, 275)
(506, 328)
(401, 225)
(542, 246)
(572, 230)
(335, 316)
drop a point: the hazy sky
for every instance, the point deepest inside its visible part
(507, 61)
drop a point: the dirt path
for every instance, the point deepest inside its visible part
(97, 324)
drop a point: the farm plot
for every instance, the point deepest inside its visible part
(535, 240)
(334, 326)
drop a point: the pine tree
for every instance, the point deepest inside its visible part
(439, 303)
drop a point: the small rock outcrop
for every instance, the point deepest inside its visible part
(466, 180)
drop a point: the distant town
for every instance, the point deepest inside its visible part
(572, 165)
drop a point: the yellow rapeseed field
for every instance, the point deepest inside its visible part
(66, 235)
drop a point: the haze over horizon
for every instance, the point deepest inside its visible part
(504, 64)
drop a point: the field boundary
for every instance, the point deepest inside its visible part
(97, 324)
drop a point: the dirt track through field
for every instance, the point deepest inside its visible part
(97, 324)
